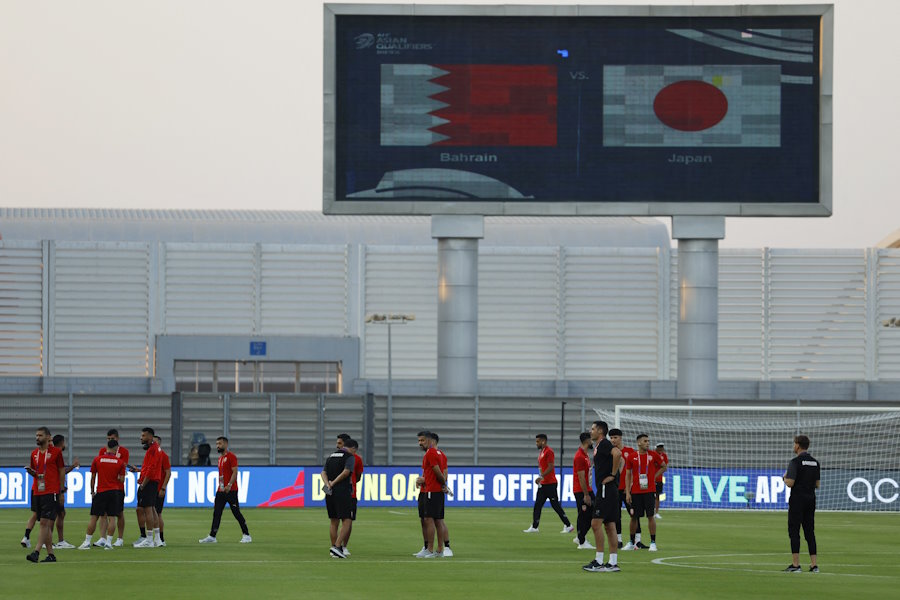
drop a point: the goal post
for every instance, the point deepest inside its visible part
(734, 456)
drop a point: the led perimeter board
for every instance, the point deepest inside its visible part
(578, 110)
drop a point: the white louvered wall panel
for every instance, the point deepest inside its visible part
(100, 313)
(21, 288)
(887, 307)
(741, 314)
(401, 280)
(518, 313)
(817, 314)
(209, 289)
(611, 313)
(304, 290)
(674, 299)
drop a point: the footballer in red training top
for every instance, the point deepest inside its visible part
(549, 486)
(227, 493)
(640, 485)
(47, 467)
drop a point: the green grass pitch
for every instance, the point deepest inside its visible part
(702, 555)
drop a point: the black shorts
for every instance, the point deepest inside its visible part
(147, 496)
(340, 506)
(421, 505)
(34, 504)
(47, 506)
(623, 501)
(659, 486)
(434, 505)
(119, 508)
(579, 502)
(105, 503)
(606, 503)
(353, 514)
(160, 503)
(644, 505)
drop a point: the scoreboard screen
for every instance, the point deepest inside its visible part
(582, 110)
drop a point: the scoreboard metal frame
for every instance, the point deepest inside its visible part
(336, 200)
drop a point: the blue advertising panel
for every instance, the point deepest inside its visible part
(301, 486)
(480, 108)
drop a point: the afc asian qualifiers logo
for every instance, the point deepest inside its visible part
(364, 40)
(387, 43)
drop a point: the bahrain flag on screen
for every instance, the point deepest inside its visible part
(468, 105)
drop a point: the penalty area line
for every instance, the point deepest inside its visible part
(316, 561)
(664, 560)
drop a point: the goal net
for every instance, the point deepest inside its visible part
(734, 457)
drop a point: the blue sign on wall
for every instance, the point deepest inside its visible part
(257, 348)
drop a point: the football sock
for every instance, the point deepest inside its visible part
(598, 556)
(109, 540)
(620, 537)
(87, 537)
(613, 558)
(653, 539)
(638, 537)
(27, 534)
(632, 539)
(447, 544)
(143, 532)
(161, 537)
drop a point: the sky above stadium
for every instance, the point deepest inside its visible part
(209, 104)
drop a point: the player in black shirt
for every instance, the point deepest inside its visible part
(803, 478)
(607, 461)
(339, 497)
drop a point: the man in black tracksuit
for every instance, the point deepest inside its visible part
(339, 500)
(803, 478)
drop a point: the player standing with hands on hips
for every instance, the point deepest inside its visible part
(803, 478)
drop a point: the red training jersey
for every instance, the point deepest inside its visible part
(108, 468)
(120, 453)
(581, 463)
(665, 458)
(150, 469)
(644, 464)
(627, 453)
(357, 471)
(443, 457)
(228, 463)
(47, 463)
(432, 459)
(544, 459)
(164, 465)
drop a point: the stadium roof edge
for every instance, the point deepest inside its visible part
(283, 226)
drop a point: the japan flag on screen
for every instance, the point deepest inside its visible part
(468, 105)
(694, 106)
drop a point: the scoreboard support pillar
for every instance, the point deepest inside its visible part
(698, 304)
(457, 311)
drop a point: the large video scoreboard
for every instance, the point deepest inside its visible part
(576, 110)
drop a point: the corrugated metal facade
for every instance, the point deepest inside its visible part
(21, 307)
(545, 313)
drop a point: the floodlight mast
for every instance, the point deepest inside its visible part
(390, 319)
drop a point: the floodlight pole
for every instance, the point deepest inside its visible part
(391, 319)
(698, 307)
(562, 431)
